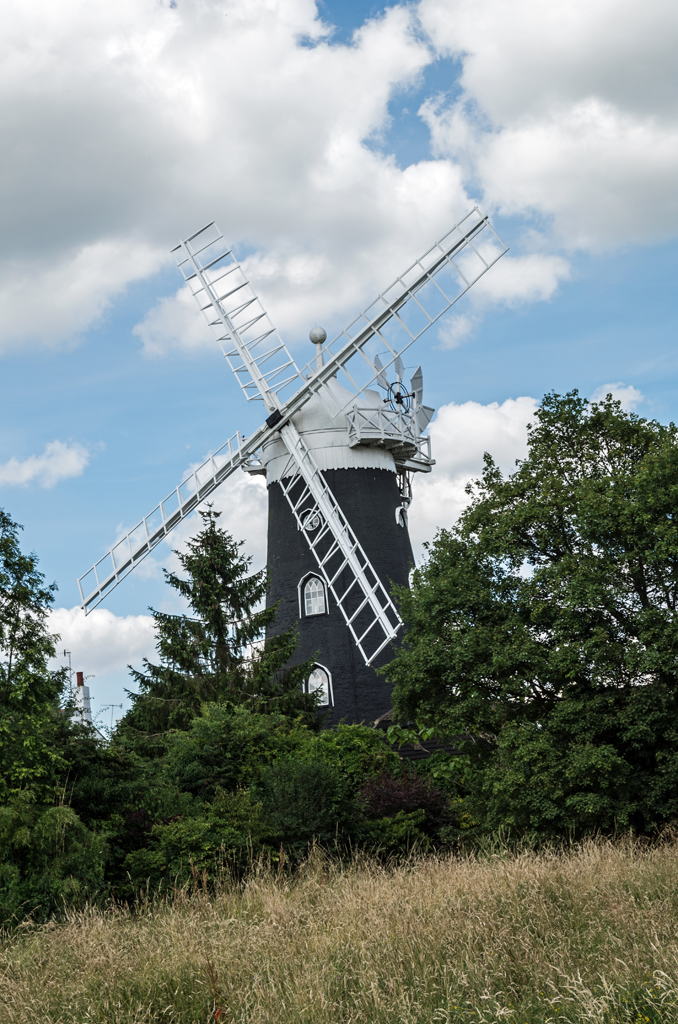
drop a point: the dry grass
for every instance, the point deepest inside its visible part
(590, 935)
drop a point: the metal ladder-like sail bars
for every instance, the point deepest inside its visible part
(389, 325)
(364, 602)
(265, 370)
(261, 361)
(132, 547)
(416, 300)
(255, 352)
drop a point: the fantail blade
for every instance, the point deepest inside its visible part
(382, 379)
(423, 415)
(417, 386)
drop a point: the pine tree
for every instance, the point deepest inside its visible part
(218, 653)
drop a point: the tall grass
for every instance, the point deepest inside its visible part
(586, 935)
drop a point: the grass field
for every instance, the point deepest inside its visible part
(587, 935)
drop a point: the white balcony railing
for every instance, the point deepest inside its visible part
(394, 430)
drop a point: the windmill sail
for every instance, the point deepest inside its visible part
(255, 352)
(416, 300)
(131, 549)
(408, 307)
(364, 602)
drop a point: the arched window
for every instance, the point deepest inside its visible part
(314, 597)
(319, 681)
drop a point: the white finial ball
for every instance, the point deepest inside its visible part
(317, 335)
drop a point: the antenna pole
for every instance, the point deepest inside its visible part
(105, 707)
(67, 654)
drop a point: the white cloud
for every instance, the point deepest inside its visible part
(174, 323)
(102, 642)
(520, 56)
(102, 645)
(518, 279)
(455, 329)
(460, 435)
(600, 172)
(514, 280)
(629, 396)
(128, 125)
(59, 461)
(48, 300)
(329, 272)
(569, 110)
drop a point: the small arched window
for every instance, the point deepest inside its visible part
(319, 682)
(314, 597)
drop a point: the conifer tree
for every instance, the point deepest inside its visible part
(218, 653)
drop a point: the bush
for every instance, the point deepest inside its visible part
(308, 801)
(227, 836)
(385, 796)
(48, 859)
(227, 747)
(397, 834)
(357, 751)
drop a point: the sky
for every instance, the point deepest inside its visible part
(333, 142)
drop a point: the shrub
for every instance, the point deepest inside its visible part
(385, 797)
(48, 859)
(358, 751)
(307, 801)
(397, 834)
(227, 747)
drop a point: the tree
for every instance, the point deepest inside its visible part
(218, 653)
(29, 691)
(544, 626)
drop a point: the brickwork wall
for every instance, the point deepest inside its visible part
(368, 498)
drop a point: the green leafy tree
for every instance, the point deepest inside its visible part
(544, 628)
(29, 691)
(217, 653)
(48, 859)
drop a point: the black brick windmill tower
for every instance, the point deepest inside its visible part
(341, 440)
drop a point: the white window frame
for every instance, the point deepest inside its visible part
(302, 597)
(330, 691)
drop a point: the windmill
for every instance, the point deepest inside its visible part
(341, 440)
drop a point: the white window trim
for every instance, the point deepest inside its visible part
(330, 690)
(300, 594)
